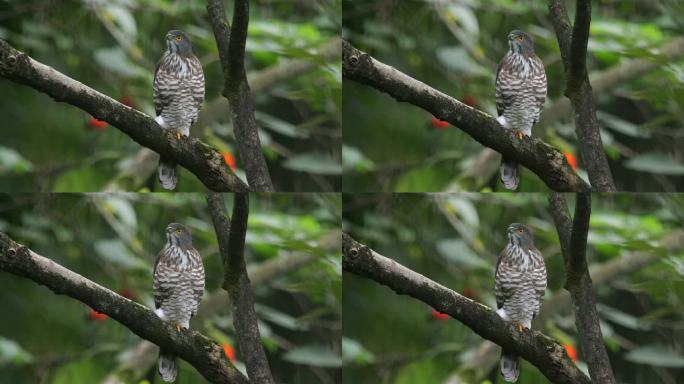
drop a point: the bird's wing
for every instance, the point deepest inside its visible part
(499, 290)
(162, 97)
(159, 294)
(502, 101)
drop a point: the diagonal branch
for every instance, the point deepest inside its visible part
(542, 159)
(200, 159)
(231, 239)
(573, 46)
(231, 41)
(202, 353)
(573, 236)
(545, 353)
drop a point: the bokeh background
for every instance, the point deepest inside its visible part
(113, 240)
(635, 254)
(293, 66)
(636, 64)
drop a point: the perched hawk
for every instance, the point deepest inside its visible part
(520, 282)
(178, 284)
(178, 91)
(520, 95)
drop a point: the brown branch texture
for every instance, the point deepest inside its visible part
(543, 159)
(202, 353)
(540, 350)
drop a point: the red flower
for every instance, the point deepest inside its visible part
(469, 100)
(230, 160)
(97, 316)
(439, 315)
(571, 351)
(572, 160)
(97, 124)
(439, 124)
(229, 351)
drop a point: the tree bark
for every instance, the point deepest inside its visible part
(543, 352)
(573, 46)
(231, 239)
(573, 237)
(231, 41)
(202, 353)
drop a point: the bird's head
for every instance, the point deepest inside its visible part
(178, 42)
(520, 42)
(520, 235)
(178, 235)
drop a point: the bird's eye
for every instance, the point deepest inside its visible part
(179, 37)
(178, 231)
(520, 38)
(520, 230)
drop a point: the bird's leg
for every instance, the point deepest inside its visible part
(518, 133)
(177, 325)
(518, 326)
(177, 133)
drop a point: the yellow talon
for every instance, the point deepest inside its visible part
(518, 134)
(520, 327)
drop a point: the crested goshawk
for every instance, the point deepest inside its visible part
(519, 286)
(178, 285)
(520, 95)
(178, 91)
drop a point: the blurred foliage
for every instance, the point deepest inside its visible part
(113, 46)
(113, 239)
(455, 46)
(454, 239)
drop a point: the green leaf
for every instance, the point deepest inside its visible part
(315, 355)
(354, 159)
(456, 59)
(116, 61)
(657, 355)
(11, 352)
(115, 252)
(12, 161)
(280, 126)
(457, 251)
(655, 162)
(313, 162)
(354, 352)
(280, 318)
(623, 126)
(625, 319)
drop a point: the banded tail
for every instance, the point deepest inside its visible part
(168, 370)
(509, 367)
(167, 174)
(510, 174)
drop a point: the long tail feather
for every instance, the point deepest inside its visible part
(167, 174)
(167, 367)
(509, 367)
(510, 174)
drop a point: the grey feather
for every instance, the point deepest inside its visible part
(167, 174)
(510, 174)
(510, 369)
(168, 370)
